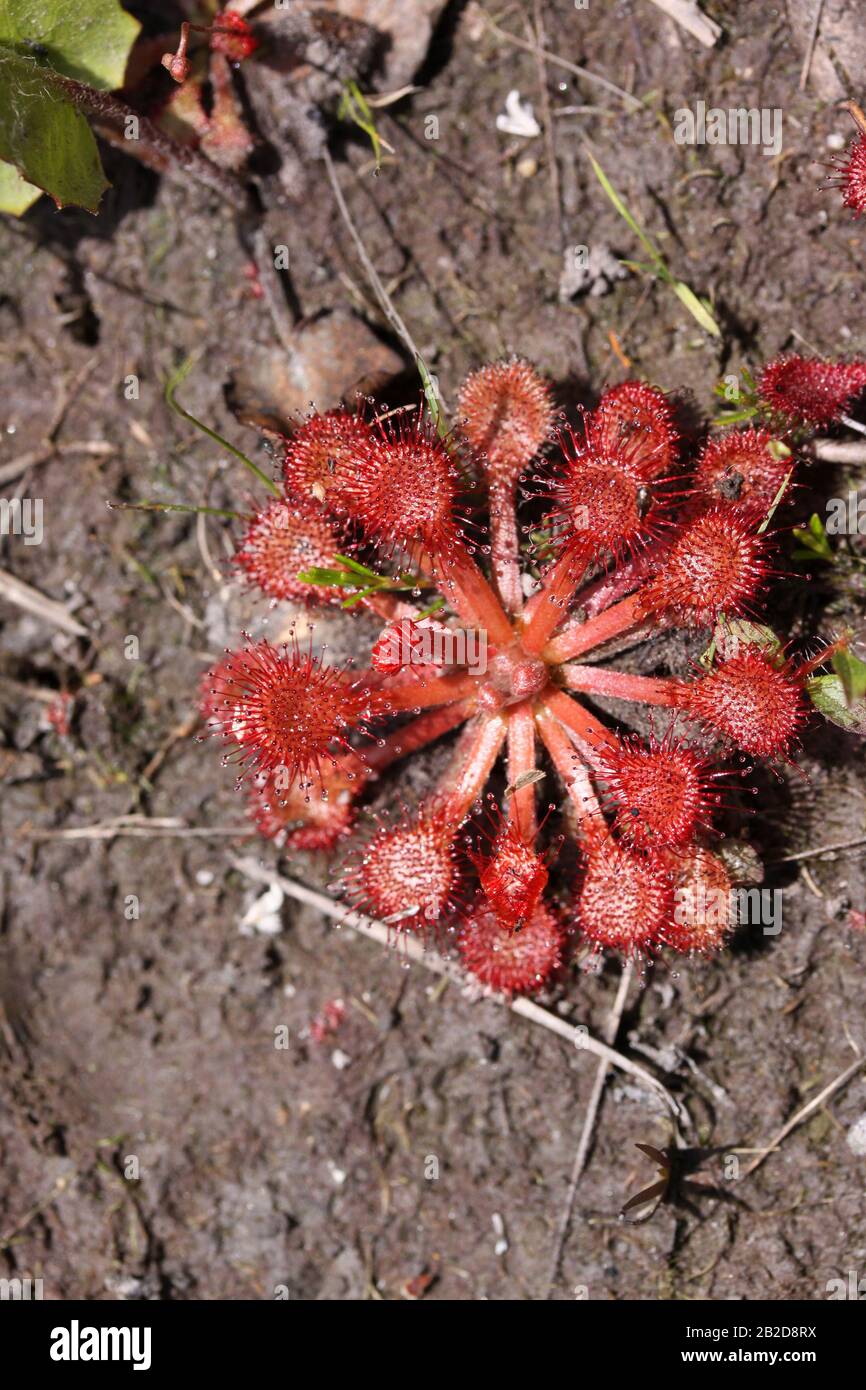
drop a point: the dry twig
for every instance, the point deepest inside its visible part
(32, 601)
(138, 827)
(630, 101)
(807, 1110)
(810, 47)
(610, 1032)
(414, 951)
(822, 849)
(387, 306)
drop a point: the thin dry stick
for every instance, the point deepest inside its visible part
(810, 47)
(547, 118)
(138, 827)
(804, 1114)
(611, 1029)
(414, 951)
(96, 448)
(840, 450)
(32, 601)
(272, 288)
(594, 77)
(388, 309)
(180, 731)
(822, 849)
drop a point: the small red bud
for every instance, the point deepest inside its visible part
(505, 414)
(809, 391)
(512, 877)
(178, 64)
(232, 36)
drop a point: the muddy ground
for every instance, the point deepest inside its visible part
(152, 1038)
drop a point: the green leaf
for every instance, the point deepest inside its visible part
(334, 579)
(736, 417)
(85, 39)
(827, 694)
(852, 673)
(48, 141)
(697, 308)
(348, 563)
(813, 541)
(16, 194)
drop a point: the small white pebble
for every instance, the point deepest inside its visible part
(340, 1059)
(857, 1137)
(836, 141)
(204, 878)
(338, 1175)
(499, 1231)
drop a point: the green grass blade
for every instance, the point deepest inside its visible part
(176, 380)
(652, 251)
(173, 507)
(697, 308)
(431, 395)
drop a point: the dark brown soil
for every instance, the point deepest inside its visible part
(153, 1038)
